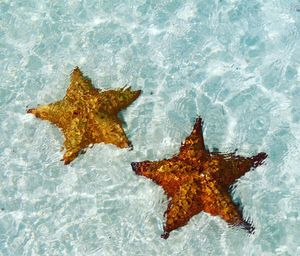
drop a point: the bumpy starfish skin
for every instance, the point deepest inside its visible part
(87, 115)
(196, 180)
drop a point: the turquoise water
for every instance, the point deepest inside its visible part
(235, 63)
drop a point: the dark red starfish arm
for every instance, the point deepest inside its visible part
(229, 167)
(193, 148)
(217, 201)
(184, 204)
(163, 173)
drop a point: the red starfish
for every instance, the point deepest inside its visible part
(197, 180)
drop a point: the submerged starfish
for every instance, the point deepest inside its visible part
(87, 115)
(196, 180)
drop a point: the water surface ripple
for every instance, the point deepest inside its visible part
(235, 63)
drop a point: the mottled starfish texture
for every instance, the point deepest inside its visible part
(196, 180)
(87, 115)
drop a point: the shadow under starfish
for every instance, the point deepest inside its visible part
(197, 180)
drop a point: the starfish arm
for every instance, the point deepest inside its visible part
(184, 204)
(107, 128)
(169, 174)
(216, 200)
(52, 112)
(96, 129)
(193, 148)
(114, 101)
(75, 139)
(79, 87)
(230, 167)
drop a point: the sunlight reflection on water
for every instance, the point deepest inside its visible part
(235, 63)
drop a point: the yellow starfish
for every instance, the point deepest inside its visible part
(196, 180)
(87, 115)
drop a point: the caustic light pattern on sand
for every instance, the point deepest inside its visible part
(197, 180)
(87, 115)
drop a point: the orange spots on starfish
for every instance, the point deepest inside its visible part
(196, 180)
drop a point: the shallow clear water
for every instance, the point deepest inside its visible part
(235, 63)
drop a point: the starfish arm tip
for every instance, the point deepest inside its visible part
(136, 167)
(129, 89)
(259, 159)
(76, 72)
(199, 119)
(35, 112)
(69, 157)
(130, 145)
(198, 124)
(248, 226)
(165, 235)
(76, 69)
(136, 93)
(66, 162)
(30, 110)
